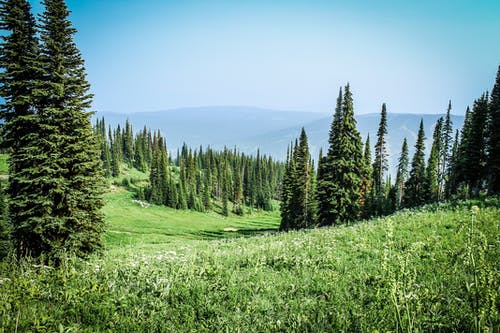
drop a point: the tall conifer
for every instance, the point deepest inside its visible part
(415, 186)
(19, 83)
(493, 162)
(66, 176)
(339, 190)
(402, 173)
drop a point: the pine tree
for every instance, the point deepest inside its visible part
(326, 184)
(493, 162)
(445, 158)
(128, 144)
(116, 153)
(380, 167)
(451, 182)
(339, 190)
(472, 149)
(19, 76)
(286, 191)
(415, 186)
(402, 174)
(67, 181)
(460, 165)
(298, 208)
(366, 189)
(434, 168)
(104, 147)
(380, 162)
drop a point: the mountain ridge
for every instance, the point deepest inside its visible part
(270, 131)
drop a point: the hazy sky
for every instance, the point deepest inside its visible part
(145, 55)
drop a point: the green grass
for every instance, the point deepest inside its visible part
(131, 223)
(435, 269)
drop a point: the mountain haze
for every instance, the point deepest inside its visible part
(270, 131)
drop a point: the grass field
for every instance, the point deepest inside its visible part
(133, 222)
(434, 269)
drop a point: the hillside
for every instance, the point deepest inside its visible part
(434, 269)
(270, 131)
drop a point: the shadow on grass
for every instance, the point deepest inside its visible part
(221, 234)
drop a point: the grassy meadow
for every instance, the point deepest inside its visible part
(433, 269)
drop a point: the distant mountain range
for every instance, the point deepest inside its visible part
(250, 129)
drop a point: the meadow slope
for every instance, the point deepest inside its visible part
(434, 269)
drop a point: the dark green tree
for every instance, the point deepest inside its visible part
(378, 193)
(451, 181)
(493, 162)
(445, 156)
(472, 149)
(380, 162)
(339, 190)
(415, 194)
(64, 214)
(402, 174)
(433, 165)
(300, 198)
(19, 81)
(366, 189)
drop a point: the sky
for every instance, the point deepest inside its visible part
(287, 54)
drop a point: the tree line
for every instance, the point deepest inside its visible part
(197, 179)
(58, 162)
(349, 185)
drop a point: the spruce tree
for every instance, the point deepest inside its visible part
(339, 190)
(472, 150)
(434, 168)
(378, 197)
(445, 158)
(451, 181)
(460, 164)
(286, 191)
(380, 162)
(415, 186)
(64, 214)
(493, 162)
(402, 174)
(366, 189)
(298, 209)
(19, 82)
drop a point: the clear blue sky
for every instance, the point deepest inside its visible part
(145, 55)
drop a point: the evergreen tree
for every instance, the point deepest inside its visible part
(19, 80)
(472, 149)
(339, 191)
(378, 197)
(326, 184)
(116, 153)
(366, 190)
(415, 186)
(65, 195)
(300, 198)
(445, 158)
(434, 168)
(460, 164)
(493, 162)
(128, 144)
(380, 162)
(451, 182)
(104, 147)
(402, 174)
(286, 191)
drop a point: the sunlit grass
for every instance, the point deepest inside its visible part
(408, 272)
